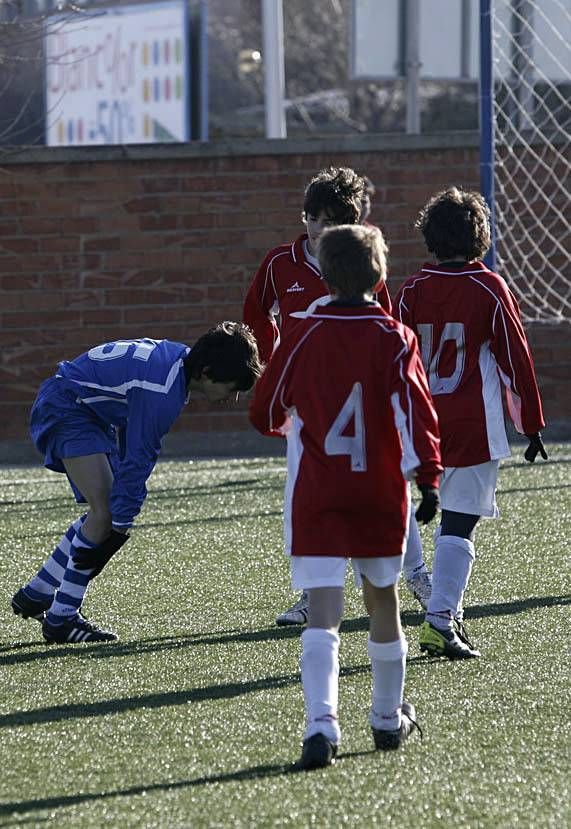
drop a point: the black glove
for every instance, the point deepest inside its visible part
(95, 558)
(535, 446)
(429, 504)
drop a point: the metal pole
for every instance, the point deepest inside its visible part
(412, 66)
(204, 80)
(522, 64)
(487, 121)
(274, 72)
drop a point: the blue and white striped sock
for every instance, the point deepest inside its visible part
(49, 576)
(69, 596)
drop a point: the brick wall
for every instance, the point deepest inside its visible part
(100, 243)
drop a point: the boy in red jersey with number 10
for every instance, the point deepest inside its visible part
(472, 340)
(348, 390)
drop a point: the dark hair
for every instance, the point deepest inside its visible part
(353, 258)
(230, 353)
(456, 223)
(338, 191)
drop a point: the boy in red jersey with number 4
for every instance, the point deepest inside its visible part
(472, 341)
(348, 390)
(289, 281)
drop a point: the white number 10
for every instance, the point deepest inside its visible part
(336, 443)
(453, 331)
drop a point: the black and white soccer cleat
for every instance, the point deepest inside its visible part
(75, 631)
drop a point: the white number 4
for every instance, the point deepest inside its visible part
(336, 443)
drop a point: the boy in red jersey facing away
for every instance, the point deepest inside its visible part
(471, 338)
(348, 390)
(288, 282)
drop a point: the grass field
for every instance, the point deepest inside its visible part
(194, 717)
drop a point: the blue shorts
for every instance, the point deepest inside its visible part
(61, 426)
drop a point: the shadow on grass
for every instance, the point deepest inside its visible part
(21, 807)
(409, 618)
(160, 700)
(78, 711)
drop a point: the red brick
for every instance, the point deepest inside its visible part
(167, 248)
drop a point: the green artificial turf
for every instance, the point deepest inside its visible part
(194, 717)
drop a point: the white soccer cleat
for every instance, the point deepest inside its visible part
(296, 614)
(420, 585)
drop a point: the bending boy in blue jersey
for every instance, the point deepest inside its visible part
(100, 420)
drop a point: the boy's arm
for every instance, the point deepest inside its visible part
(267, 412)
(150, 417)
(271, 401)
(511, 350)
(415, 416)
(257, 314)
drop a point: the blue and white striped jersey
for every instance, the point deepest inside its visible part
(139, 387)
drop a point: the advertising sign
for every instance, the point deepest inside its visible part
(118, 75)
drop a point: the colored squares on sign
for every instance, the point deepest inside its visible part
(156, 89)
(156, 52)
(147, 126)
(178, 87)
(70, 132)
(167, 51)
(60, 132)
(145, 54)
(146, 90)
(80, 131)
(167, 89)
(178, 50)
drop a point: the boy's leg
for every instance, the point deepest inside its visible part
(92, 475)
(391, 718)
(453, 558)
(320, 662)
(467, 493)
(36, 596)
(323, 578)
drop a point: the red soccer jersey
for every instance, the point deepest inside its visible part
(348, 389)
(470, 332)
(285, 282)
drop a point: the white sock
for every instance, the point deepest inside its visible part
(413, 558)
(388, 661)
(453, 558)
(320, 682)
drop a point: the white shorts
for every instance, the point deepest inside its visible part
(308, 572)
(470, 489)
